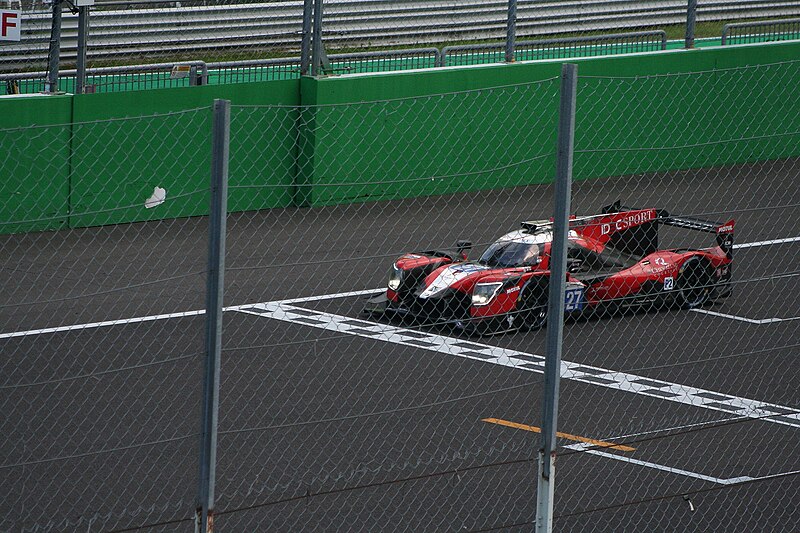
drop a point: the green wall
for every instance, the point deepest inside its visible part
(392, 135)
(429, 132)
(699, 116)
(635, 114)
(34, 163)
(168, 144)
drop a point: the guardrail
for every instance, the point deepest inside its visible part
(189, 73)
(113, 79)
(617, 43)
(289, 68)
(750, 32)
(274, 28)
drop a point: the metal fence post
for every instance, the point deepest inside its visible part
(214, 293)
(54, 55)
(691, 18)
(555, 311)
(511, 30)
(83, 34)
(305, 43)
(316, 44)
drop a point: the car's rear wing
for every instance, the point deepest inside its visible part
(685, 222)
(723, 230)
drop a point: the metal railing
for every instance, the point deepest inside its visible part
(112, 79)
(191, 73)
(767, 30)
(384, 61)
(618, 43)
(274, 28)
(289, 68)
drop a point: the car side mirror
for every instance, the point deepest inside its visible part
(462, 246)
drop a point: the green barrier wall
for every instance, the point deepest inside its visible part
(34, 163)
(357, 138)
(717, 115)
(429, 132)
(118, 163)
(367, 128)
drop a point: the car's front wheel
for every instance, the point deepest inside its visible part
(536, 317)
(533, 305)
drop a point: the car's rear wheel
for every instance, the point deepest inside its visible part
(693, 283)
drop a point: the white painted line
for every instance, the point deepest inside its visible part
(92, 325)
(139, 319)
(671, 470)
(323, 297)
(470, 349)
(745, 319)
(122, 321)
(766, 243)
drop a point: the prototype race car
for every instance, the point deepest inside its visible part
(613, 262)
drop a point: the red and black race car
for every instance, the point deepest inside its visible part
(613, 262)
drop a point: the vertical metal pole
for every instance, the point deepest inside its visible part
(511, 30)
(54, 54)
(555, 311)
(691, 18)
(316, 47)
(305, 43)
(83, 34)
(214, 292)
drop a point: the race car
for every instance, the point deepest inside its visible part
(613, 262)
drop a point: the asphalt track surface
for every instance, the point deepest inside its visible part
(331, 422)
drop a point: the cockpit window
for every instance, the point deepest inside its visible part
(512, 254)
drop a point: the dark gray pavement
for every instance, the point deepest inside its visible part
(328, 430)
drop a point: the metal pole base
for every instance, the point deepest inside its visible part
(204, 526)
(544, 495)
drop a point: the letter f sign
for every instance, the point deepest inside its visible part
(9, 25)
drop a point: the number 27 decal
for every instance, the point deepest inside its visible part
(573, 299)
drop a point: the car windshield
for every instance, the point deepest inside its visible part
(511, 254)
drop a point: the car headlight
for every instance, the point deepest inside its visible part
(484, 292)
(395, 277)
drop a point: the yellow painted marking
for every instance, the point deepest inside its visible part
(525, 427)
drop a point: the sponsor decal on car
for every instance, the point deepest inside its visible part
(627, 222)
(669, 283)
(727, 228)
(450, 275)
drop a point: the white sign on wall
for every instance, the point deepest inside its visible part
(10, 22)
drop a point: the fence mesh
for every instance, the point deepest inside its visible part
(335, 414)
(709, 384)
(101, 321)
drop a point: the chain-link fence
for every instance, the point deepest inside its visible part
(101, 320)
(370, 378)
(696, 392)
